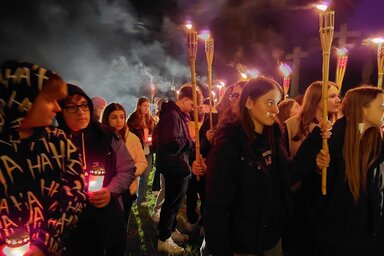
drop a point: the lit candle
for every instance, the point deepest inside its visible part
(17, 244)
(96, 178)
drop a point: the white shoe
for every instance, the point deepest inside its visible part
(155, 217)
(169, 246)
(179, 237)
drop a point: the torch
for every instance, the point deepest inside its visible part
(192, 49)
(286, 71)
(342, 60)
(153, 89)
(327, 21)
(209, 50)
(17, 244)
(220, 86)
(96, 178)
(380, 60)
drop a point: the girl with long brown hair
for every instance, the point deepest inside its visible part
(141, 123)
(114, 116)
(350, 220)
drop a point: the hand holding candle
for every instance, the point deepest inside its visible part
(96, 178)
(17, 244)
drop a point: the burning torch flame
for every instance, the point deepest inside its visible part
(323, 6)
(220, 85)
(153, 87)
(341, 52)
(243, 75)
(205, 35)
(285, 69)
(253, 73)
(378, 40)
(188, 25)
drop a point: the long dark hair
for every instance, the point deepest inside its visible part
(108, 110)
(254, 89)
(360, 150)
(138, 121)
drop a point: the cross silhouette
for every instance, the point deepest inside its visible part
(344, 34)
(295, 56)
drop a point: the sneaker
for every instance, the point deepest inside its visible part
(179, 237)
(169, 246)
(155, 217)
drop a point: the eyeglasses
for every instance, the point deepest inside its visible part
(74, 108)
(234, 96)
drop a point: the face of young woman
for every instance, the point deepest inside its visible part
(45, 107)
(144, 108)
(264, 110)
(333, 100)
(117, 119)
(234, 97)
(374, 113)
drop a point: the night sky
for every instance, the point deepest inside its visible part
(117, 48)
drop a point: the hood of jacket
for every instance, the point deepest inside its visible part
(20, 83)
(72, 90)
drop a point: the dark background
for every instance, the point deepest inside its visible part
(117, 48)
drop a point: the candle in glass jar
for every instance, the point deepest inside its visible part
(17, 244)
(96, 178)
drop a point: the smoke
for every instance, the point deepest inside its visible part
(100, 45)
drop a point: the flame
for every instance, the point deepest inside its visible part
(285, 69)
(213, 93)
(253, 73)
(322, 7)
(188, 25)
(220, 85)
(205, 35)
(243, 75)
(341, 52)
(378, 40)
(153, 87)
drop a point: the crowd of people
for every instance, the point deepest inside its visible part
(258, 178)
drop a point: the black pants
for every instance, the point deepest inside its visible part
(175, 188)
(99, 232)
(128, 200)
(195, 188)
(156, 181)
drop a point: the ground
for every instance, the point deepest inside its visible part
(143, 234)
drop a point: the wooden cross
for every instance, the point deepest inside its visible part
(344, 34)
(295, 56)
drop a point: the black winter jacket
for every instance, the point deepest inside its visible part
(344, 227)
(247, 190)
(173, 141)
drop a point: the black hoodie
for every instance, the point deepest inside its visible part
(41, 180)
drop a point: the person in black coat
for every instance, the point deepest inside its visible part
(350, 216)
(247, 180)
(174, 146)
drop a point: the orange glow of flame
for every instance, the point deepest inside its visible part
(220, 85)
(243, 75)
(285, 69)
(188, 25)
(153, 87)
(341, 52)
(322, 6)
(205, 35)
(253, 73)
(378, 40)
